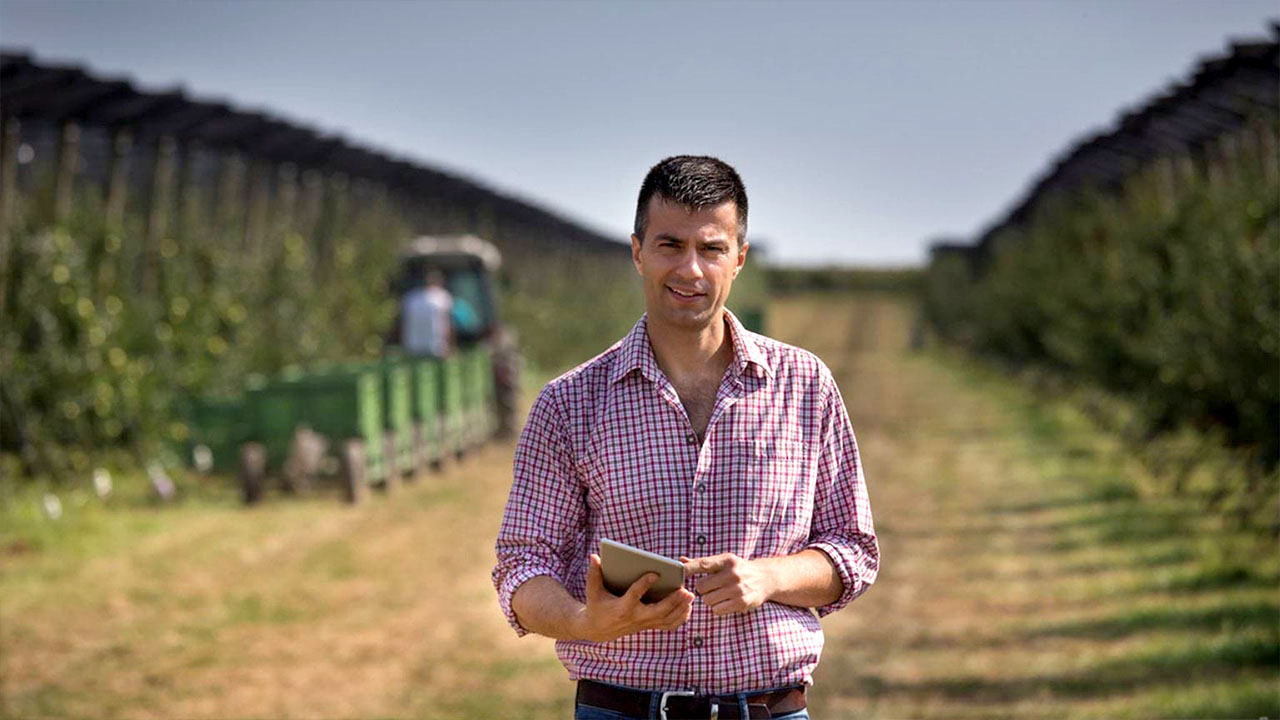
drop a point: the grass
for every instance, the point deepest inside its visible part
(1031, 569)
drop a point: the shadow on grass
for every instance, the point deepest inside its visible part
(1206, 580)
(1115, 534)
(1222, 617)
(1224, 660)
(1173, 555)
(1114, 516)
(1103, 490)
(1248, 702)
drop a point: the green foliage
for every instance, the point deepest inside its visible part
(1167, 293)
(751, 287)
(946, 291)
(103, 334)
(570, 308)
(784, 280)
(108, 332)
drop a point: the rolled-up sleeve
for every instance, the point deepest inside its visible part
(545, 509)
(842, 526)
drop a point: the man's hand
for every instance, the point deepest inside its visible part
(732, 584)
(608, 617)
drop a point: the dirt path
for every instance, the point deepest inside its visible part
(996, 597)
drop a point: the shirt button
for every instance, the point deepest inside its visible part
(701, 487)
(692, 438)
(702, 539)
(697, 642)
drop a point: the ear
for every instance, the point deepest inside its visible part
(635, 254)
(742, 257)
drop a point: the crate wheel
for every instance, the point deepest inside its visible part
(355, 482)
(252, 471)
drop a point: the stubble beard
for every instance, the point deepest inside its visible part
(689, 319)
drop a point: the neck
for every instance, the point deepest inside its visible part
(684, 352)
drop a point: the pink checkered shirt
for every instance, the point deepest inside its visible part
(608, 451)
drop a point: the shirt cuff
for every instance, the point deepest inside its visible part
(846, 560)
(507, 589)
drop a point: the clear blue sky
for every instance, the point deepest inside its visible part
(862, 129)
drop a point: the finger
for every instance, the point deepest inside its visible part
(638, 588)
(731, 606)
(677, 599)
(655, 614)
(677, 617)
(595, 578)
(711, 583)
(666, 612)
(701, 565)
(724, 594)
(714, 563)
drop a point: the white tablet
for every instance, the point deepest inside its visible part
(623, 564)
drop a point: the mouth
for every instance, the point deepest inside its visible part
(685, 295)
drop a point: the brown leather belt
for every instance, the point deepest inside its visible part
(685, 706)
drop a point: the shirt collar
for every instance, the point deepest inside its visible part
(636, 353)
(746, 351)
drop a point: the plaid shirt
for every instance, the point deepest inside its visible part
(608, 451)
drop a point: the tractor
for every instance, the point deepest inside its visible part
(470, 266)
(387, 419)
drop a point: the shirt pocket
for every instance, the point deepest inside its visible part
(773, 484)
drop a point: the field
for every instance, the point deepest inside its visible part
(1027, 572)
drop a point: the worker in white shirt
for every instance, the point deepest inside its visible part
(426, 328)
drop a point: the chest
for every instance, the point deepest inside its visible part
(699, 401)
(746, 487)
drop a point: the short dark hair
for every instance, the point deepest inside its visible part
(695, 182)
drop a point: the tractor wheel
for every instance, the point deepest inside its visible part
(419, 452)
(252, 471)
(394, 471)
(508, 366)
(355, 482)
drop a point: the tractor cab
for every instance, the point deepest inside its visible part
(468, 265)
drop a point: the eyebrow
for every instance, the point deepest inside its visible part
(713, 241)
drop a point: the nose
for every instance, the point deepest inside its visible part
(689, 265)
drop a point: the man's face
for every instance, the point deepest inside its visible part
(688, 261)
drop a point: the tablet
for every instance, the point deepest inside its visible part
(623, 564)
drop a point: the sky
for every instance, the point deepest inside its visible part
(863, 130)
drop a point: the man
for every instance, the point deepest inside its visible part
(690, 438)
(425, 325)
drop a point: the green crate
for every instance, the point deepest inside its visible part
(479, 393)
(489, 391)
(220, 425)
(274, 411)
(397, 403)
(427, 405)
(452, 402)
(345, 402)
(467, 363)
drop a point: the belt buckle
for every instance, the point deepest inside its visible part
(662, 703)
